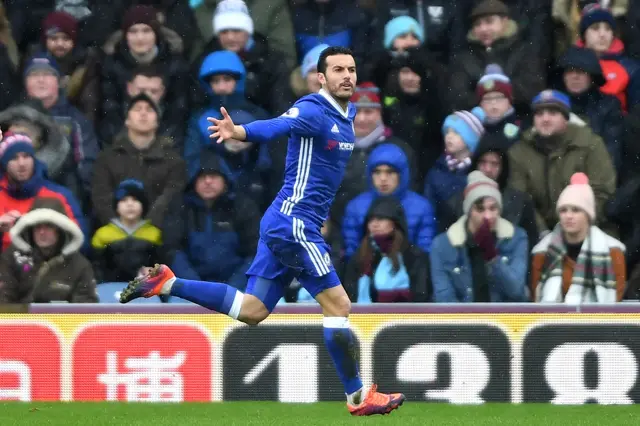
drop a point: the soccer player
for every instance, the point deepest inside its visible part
(321, 139)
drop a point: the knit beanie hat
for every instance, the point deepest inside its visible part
(141, 14)
(143, 97)
(399, 26)
(552, 99)
(579, 194)
(594, 13)
(232, 15)
(488, 8)
(131, 188)
(468, 124)
(366, 95)
(310, 60)
(494, 80)
(59, 22)
(479, 186)
(12, 144)
(42, 61)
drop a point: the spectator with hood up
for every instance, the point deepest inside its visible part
(370, 132)
(387, 267)
(267, 78)
(304, 79)
(388, 169)
(582, 79)
(44, 263)
(622, 73)
(210, 222)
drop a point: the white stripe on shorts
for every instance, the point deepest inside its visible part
(311, 248)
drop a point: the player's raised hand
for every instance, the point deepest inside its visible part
(221, 129)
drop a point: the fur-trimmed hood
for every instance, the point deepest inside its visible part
(510, 31)
(457, 233)
(47, 210)
(170, 38)
(55, 148)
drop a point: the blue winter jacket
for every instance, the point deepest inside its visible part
(442, 183)
(451, 273)
(241, 111)
(216, 243)
(419, 213)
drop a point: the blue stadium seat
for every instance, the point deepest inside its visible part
(110, 293)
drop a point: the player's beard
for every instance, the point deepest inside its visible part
(341, 93)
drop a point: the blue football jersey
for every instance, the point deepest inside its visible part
(321, 140)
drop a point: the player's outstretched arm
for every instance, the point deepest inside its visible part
(225, 129)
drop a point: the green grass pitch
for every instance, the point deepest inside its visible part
(321, 414)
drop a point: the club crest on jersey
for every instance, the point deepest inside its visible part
(292, 112)
(342, 146)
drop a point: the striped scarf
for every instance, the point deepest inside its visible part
(593, 280)
(457, 165)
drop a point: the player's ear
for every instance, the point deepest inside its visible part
(321, 78)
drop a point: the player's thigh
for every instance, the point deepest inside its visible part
(328, 292)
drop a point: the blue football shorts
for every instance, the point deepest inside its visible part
(288, 250)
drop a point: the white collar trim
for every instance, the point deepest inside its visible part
(333, 102)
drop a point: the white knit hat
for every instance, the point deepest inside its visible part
(479, 186)
(578, 194)
(232, 15)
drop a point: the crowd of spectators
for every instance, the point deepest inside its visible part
(497, 152)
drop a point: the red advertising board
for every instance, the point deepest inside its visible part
(142, 362)
(27, 374)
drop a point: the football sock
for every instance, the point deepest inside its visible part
(342, 347)
(218, 297)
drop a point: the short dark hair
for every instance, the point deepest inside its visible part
(149, 71)
(331, 51)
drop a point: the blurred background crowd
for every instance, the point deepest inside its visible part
(496, 158)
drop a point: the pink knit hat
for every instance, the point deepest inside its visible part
(579, 194)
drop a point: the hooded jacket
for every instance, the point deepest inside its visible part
(28, 276)
(215, 243)
(411, 283)
(544, 176)
(21, 197)
(273, 19)
(160, 169)
(267, 82)
(79, 131)
(248, 167)
(601, 111)
(517, 206)
(622, 74)
(420, 214)
(54, 151)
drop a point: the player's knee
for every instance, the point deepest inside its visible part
(254, 318)
(342, 306)
(253, 311)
